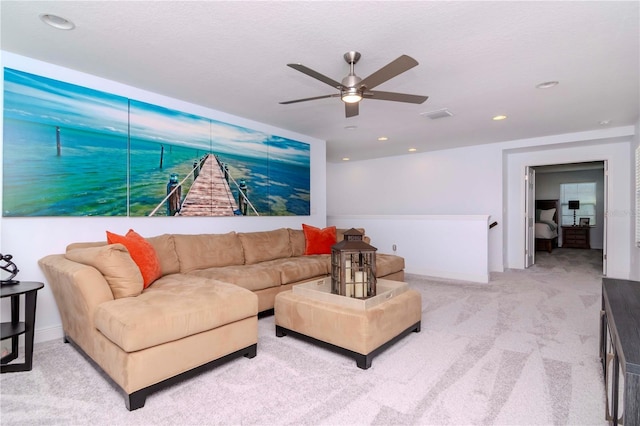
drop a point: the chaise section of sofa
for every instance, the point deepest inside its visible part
(144, 341)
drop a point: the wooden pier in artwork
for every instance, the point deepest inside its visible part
(210, 194)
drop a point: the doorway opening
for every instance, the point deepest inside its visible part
(558, 194)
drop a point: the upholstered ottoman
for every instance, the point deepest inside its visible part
(352, 326)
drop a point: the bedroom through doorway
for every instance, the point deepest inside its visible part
(565, 210)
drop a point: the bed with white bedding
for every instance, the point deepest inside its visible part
(546, 228)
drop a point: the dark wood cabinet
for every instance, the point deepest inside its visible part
(576, 237)
(620, 350)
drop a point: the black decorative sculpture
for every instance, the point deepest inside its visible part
(7, 265)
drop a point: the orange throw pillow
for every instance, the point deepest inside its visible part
(318, 241)
(142, 253)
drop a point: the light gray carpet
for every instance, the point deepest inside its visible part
(521, 350)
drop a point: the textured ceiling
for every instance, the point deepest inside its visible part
(478, 59)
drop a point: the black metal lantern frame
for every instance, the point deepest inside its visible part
(353, 267)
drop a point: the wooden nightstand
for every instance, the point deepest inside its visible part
(576, 237)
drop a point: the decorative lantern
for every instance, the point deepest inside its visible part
(353, 266)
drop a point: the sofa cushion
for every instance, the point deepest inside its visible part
(262, 246)
(318, 241)
(141, 252)
(204, 251)
(252, 277)
(301, 268)
(176, 306)
(166, 251)
(116, 265)
(297, 241)
(388, 264)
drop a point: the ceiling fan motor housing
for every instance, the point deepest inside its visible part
(351, 81)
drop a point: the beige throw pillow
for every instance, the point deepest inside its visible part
(114, 262)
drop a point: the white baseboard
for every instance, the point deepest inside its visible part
(47, 334)
(41, 335)
(451, 275)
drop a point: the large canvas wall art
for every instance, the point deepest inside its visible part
(74, 151)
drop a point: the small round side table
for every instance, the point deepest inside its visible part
(12, 330)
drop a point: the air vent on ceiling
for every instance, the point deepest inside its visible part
(441, 113)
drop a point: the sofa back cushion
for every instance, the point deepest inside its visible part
(208, 250)
(297, 241)
(263, 246)
(116, 265)
(166, 250)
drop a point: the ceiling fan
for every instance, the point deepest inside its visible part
(353, 88)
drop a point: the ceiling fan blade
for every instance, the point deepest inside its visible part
(351, 110)
(392, 69)
(393, 96)
(315, 74)
(310, 99)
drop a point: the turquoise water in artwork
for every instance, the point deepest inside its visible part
(89, 178)
(74, 151)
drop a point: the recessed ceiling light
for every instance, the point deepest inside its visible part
(413, 149)
(350, 127)
(547, 85)
(57, 21)
(499, 117)
(345, 159)
(605, 122)
(383, 138)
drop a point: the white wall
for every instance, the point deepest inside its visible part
(464, 181)
(484, 180)
(454, 246)
(29, 239)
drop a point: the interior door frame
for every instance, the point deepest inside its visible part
(605, 217)
(530, 191)
(529, 216)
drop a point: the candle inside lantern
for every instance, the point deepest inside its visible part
(347, 271)
(349, 290)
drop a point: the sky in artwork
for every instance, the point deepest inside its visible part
(59, 103)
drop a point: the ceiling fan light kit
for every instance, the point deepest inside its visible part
(353, 88)
(351, 96)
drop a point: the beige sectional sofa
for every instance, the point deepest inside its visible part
(203, 310)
